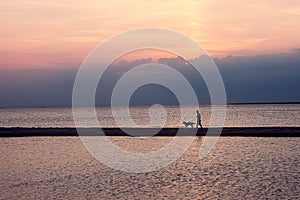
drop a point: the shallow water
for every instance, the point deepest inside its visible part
(236, 116)
(237, 168)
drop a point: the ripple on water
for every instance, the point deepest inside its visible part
(237, 167)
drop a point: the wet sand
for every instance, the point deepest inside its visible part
(227, 131)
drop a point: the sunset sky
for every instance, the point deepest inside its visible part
(43, 34)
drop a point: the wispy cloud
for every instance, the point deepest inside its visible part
(74, 27)
(247, 79)
(294, 11)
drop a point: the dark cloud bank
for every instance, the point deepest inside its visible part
(263, 78)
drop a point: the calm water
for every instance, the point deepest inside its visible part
(236, 168)
(237, 116)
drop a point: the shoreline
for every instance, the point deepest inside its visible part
(144, 132)
(137, 105)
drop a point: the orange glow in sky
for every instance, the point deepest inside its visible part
(58, 33)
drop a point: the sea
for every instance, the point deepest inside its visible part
(235, 168)
(250, 115)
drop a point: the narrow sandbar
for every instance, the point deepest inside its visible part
(227, 131)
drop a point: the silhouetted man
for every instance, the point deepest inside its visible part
(199, 120)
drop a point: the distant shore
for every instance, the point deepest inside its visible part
(263, 103)
(202, 104)
(227, 131)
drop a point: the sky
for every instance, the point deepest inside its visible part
(247, 79)
(42, 33)
(43, 43)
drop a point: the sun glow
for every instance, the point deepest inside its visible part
(60, 34)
